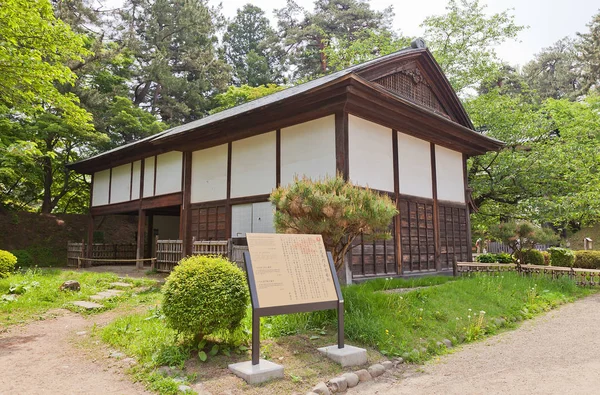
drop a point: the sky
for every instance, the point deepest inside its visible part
(548, 20)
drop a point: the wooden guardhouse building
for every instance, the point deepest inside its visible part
(393, 124)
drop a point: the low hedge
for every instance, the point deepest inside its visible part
(533, 257)
(494, 258)
(561, 257)
(587, 259)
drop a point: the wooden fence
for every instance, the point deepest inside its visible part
(582, 277)
(170, 252)
(101, 251)
(495, 247)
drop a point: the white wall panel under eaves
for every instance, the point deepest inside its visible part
(414, 166)
(450, 181)
(253, 165)
(371, 154)
(135, 181)
(120, 186)
(169, 171)
(101, 188)
(308, 149)
(149, 177)
(209, 174)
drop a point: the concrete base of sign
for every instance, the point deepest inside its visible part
(256, 374)
(347, 356)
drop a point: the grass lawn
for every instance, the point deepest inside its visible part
(408, 324)
(30, 294)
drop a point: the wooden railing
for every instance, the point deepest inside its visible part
(170, 252)
(102, 253)
(582, 277)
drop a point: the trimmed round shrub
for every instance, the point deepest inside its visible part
(204, 295)
(587, 259)
(24, 258)
(533, 257)
(561, 257)
(7, 263)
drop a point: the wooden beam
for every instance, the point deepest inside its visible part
(116, 208)
(278, 157)
(109, 184)
(397, 243)
(150, 235)
(228, 211)
(436, 211)
(171, 199)
(185, 218)
(154, 187)
(467, 212)
(342, 163)
(141, 226)
(131, 182)
(90, 240)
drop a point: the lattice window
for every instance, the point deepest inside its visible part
(453, 235)
(417, 235)
(411, 85)
(209, 223)
(374, 258)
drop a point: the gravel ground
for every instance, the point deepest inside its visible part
(42, 358)
(557, 353)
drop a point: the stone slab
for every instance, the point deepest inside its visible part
(88, 305)
(347, 356)
(110, 293)
(256, 374)
(121, 284)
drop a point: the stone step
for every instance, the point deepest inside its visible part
(109, 293)
(88, 305)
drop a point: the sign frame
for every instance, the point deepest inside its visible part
(258, 311)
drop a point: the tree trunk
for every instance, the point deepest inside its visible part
(48, 180)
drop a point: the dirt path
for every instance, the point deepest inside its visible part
(558, 353)
(42, 358)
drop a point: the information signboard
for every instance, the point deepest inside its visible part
(289, 273)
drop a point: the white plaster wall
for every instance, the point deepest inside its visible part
(241, 220)
(120, 184)
(100, 190)
(371, 154)
(168, 227)
(252, 218)
(253, 165)
(209, 174)
(450, 181)
(262, 217)
(308, 149)
(414, 166)
(149, 177)
(169, 171)
(135, 181)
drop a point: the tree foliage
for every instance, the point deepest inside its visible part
(522, 236)
(235, 96)
(463, 40)
(307, 33)
(335, 209)
(35, 52)
(252, 48)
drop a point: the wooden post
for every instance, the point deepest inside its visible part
(436, 212)
(150, 235)
(185, 217)
(90, 241)
(139, 254)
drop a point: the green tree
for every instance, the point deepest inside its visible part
(589, 49)
(35, 51)
(335, 209)
(463, 40)
(522, 236)
(306, 34)
(341, 54)
(235, 96)
(548, 172)
(555, 71)
(252, 48)
(179, 70)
